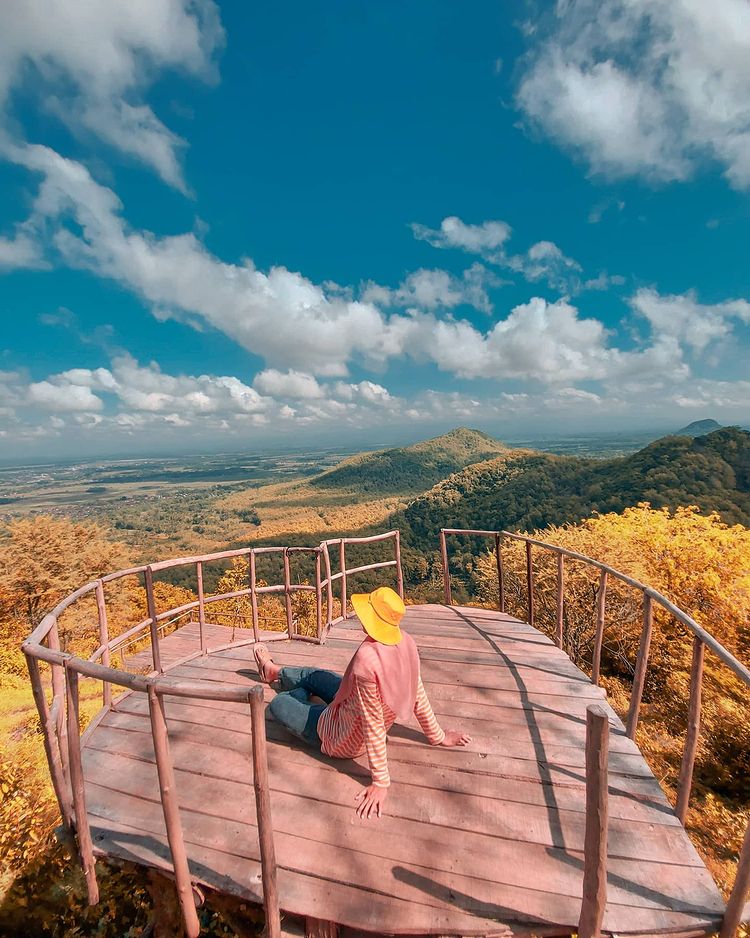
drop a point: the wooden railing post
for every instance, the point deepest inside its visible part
(447, 597)
(83, 831)
(399, 570)
(263, 810)
(153, 624)
(51, 749)
(560, 601)
(318, 597)
(288, 593)
(601, 599)
(693, 730)
(597, 814)
(253, 594)
(500, 571)
(530, 583)
(101, 608)
(201, 606)
(342, 562)
(171, 810)
(639, 678)
(58, 693)
(329, 585)
(735, 909)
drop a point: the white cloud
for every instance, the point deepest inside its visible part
(291, 384)
(454, 233)
(437, 289)
(363, 392)
(683, 318)
(90, 63)
(645, 86)
(306, 333)
(20, 252)
(60, 396)
(543, 261)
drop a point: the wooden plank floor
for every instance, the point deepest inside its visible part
(483, 840)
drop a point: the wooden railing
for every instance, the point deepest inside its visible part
(702, 640)
(59, 717)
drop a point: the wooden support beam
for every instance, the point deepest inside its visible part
(342, 564)
(153, 625)
(529, 584)
(693, 730)
(597, 815)
(101, 609)
(601, 601)
(59, 783)
(253, 594)
(641, 664)
(263, 810)
(500, 572)
(83, 831)
(201, 606)
(58, 693)
(735, 911)
(329, 585)
(560, 601)
(399, 570)
(446, 572)
(288, 594)
(170, 807)
(318, 598)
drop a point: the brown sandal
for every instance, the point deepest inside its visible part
(262, 658)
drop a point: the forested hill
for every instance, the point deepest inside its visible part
(533, 490)
(411, 469)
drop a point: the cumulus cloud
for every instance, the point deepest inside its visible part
(543, 261)
(540, 341)
(292, 384)
(685, 319)
(63, 395)
(645, 86)
(437, 289)
(454, 233)
(90, 63)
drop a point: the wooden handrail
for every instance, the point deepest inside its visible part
(702, 639)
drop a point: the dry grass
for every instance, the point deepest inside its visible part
(300, 508)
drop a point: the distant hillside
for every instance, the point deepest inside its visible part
(411, 469)
(532, 490)
(699, 428)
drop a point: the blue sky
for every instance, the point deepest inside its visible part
(235, 225)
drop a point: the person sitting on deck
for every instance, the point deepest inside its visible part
(381, 684)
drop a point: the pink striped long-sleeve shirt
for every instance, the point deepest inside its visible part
(362, 722)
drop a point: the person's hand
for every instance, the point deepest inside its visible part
(371, 799)
(454, 738)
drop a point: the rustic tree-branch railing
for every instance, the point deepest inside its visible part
(60, 722)
(701, 640)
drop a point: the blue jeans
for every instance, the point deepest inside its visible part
(292, 707)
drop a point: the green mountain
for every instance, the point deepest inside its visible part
(699, 428)
(524, 491)
(411, 469)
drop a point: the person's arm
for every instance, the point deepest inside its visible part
(371, 798)
(427, 719)
(430, 726)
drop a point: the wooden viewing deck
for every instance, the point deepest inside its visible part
(495, 839)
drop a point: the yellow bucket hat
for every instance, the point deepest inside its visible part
(380, 612)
